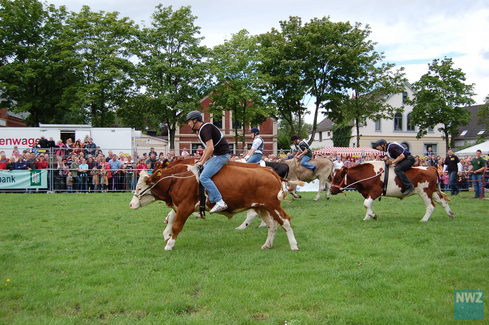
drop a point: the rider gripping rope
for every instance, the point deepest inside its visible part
(304, 153)
(215, 156)
(400, 158)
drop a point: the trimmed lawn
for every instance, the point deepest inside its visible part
(88, 258)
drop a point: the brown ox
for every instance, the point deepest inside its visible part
(324, 172)
(368, 179)
(242, 187)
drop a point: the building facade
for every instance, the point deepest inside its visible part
(399, 129)
(186, 140)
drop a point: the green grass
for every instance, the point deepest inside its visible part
(88, 258)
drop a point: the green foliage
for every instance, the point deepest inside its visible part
(439, 98)
(285, 131)
(105, 263)
(237, 83)
(281, 67)
(171, 69)
(36, 62)
(341, 135)
(101, 42)
(483, 114)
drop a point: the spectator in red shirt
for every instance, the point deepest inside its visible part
(3, 160)
(41, 163)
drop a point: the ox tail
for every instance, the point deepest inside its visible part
(282, 194)
(299, 183)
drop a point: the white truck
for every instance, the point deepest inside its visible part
(115, 139)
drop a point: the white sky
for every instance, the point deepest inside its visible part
(410, 33)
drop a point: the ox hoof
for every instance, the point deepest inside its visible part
(241, 227)
(168, 248)
(294, 248)
(422, 220)
(266, 246)
(374, 217)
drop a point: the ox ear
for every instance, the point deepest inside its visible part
(164, 163)
(144, 175)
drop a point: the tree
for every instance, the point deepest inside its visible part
(483, 114)
(373, 85)
(237, 83)
(36, 62)
(171, 71)
(341, 135)
(284, 133)
(101, 43)
(439, 98)
(281, 66)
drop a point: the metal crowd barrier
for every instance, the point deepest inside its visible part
(56, 180)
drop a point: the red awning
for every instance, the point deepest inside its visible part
(347, 151)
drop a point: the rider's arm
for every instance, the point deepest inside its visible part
(208, 151)
(399, 158)
(251, 152)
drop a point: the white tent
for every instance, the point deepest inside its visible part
(484, 147)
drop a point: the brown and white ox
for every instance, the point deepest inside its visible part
(324, 172)
(242, 187)
(368, 179)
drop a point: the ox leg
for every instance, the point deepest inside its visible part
(429, 206)
(327, 189)
(181, 216)
(250, 216)
(170, 218)
(368, 205)
(441, 198)
(320, 189)
(284, 220)
(272, 228)
(292, 192)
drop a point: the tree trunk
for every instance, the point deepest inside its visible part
(314, 123)
(243, 139)
(171, 132)
(447, 140)
(357, 127)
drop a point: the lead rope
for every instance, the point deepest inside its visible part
(362, 180)
(149, 188)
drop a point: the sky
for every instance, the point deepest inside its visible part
(409, 33)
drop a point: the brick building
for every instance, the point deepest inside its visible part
(12, 119)
(185, 139)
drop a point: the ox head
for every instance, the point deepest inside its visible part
(142, 194)
(339, 180)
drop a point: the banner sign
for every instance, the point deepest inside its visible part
(19, 179)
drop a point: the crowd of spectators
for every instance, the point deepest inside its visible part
(81, 166)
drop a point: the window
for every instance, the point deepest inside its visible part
(481, 132)
(217, 121)
(404, 97)
(398, 121)
(231, 148)
(430, 129)
(433, 146)
(464, 132)
(378, 125)
(320, 136)
(405, 145)
(410, 124)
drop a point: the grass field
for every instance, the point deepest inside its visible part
(88, 259)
